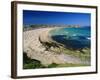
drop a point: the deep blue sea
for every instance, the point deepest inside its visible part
(75, 38)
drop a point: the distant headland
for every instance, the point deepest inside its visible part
(35, 26)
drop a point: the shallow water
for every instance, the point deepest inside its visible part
(72, 37)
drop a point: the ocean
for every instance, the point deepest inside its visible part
(74, 38)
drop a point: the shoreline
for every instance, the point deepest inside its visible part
(35, 50)
(32, 36)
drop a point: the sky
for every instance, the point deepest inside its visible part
(56, 18)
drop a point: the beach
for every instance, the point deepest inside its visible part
(35, 50)
(31, 38)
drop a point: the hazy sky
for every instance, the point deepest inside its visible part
(60, 18)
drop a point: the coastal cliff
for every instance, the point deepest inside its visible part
(46, 50)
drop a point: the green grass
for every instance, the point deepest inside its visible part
(86, 55)
(33, 64)
(71, 65)
(52, 65)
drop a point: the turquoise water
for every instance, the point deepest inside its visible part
(72, 37)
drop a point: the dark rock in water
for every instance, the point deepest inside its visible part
(82, 37)
(48, 45)
(72, 43)
(73, 38)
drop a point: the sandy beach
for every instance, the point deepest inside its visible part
(35, 50)
(31, 38)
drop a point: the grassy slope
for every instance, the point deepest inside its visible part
(32, 64)
(76, 53)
